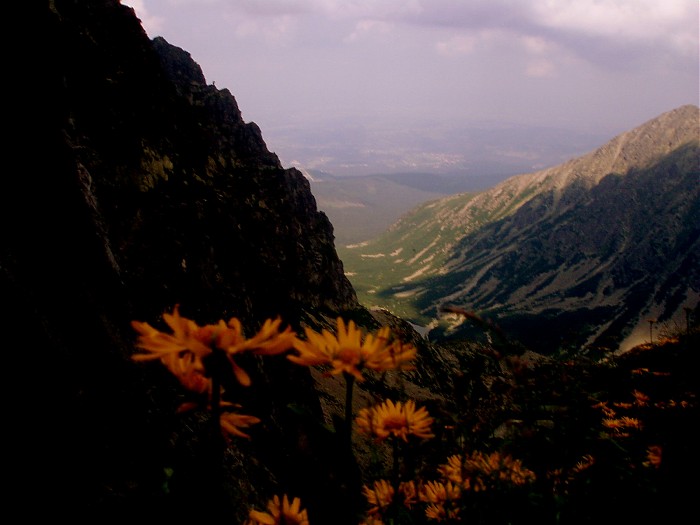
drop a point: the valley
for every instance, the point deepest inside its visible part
(592, 247)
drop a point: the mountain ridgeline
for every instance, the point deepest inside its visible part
(584, 255)
(141, 188)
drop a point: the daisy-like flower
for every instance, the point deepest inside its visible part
(186, 336)
(280, 513)
(379, 496)
(395, 419)
(438, 512)
(185, 349)
(350, 351)
(439, 492)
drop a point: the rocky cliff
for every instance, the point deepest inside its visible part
(141, 187)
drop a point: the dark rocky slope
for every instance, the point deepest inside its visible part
(141, 187)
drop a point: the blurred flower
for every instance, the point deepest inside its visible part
(586, 462)
(231, 423)
(371, 520)
(185, 349)
(640, 398)
(480, 471)
(349, 351)
(188, 370)
(395, 419)
(280, 513)
(654, 456)
(619, 425)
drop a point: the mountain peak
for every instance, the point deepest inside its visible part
(586, 249)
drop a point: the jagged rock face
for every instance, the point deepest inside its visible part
(577, 254)
(141, 188)
(191, 206)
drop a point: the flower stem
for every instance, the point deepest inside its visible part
(395, 476)
(349, 385)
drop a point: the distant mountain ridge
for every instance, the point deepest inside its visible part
(593, 247)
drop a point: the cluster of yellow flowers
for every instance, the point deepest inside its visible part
(188, 352)
(480, 471)
(441, 499)
(192, 353)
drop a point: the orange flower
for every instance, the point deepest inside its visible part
(350, 351)
(280, 513)
(438, 512)
(439, 492)
(186, 336)
(395, 419)
(379, 496)
(188, 370)
(198, 342)
(480, 471)
(586, 462)
(640, 398)
(654, 456)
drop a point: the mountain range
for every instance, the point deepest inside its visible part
(581, 255)
(137, 187)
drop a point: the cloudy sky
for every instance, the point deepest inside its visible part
(326, 78)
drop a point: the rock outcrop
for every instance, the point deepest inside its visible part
(141, 187)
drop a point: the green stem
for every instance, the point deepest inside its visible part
(395, 477)
(349, 385)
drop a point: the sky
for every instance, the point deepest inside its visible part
(358, 86)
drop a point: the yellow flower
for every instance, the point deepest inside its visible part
(438, 492)
(188, 338)
(480, 471)
(586, 462)
(188, 370)
(280, 513)
(619, 424)
(654, 456)
(438, 512)
(395, 419)
(640, 398)
(349, 351)
(379, 496)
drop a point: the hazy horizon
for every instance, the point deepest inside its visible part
(354, 87)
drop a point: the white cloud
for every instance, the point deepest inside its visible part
(151, 24)
(663, 22)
